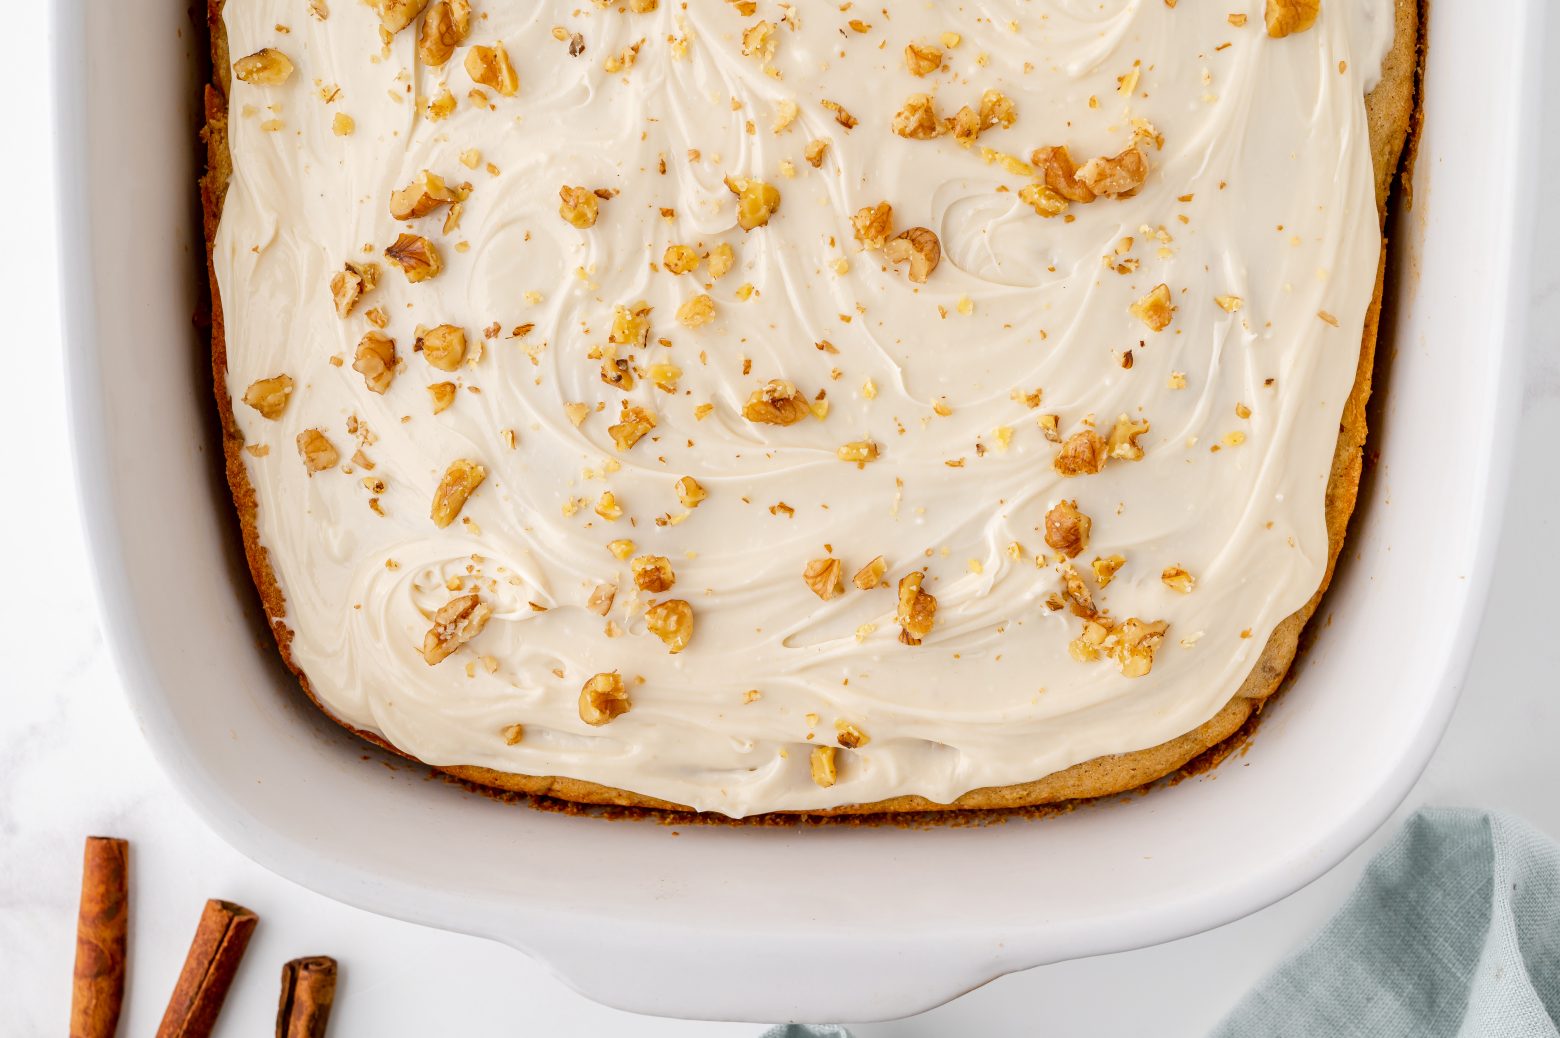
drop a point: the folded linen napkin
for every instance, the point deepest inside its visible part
(1453, 931)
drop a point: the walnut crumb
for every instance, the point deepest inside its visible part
(603, 698)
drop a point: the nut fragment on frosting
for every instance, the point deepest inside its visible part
(351, 284)
(1067, 529)
(422, 196)
(490, 67)
(672, 622)
(653, 573)
(690, 492)
(777, 403)
(579, 206)
(922, 60)
(1286, 17)
(822, 765)
(918, 247)
(265, 67)
(269, 396)
(756, 202)
(457, 622)
(1082, 454)
(442, 346)
(871, 575)
(416, 256)
(917, 610)
(604, 698)
(317, 451)
(375, 360)
(850, 736)
(1177, 579)
(444, 28)
(460, 481)
(1154, 309)
(823, 577)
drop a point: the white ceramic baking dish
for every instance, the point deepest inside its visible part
(752, 923)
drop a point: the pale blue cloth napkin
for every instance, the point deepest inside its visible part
(1454, 932)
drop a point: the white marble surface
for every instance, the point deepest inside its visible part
(72, 761)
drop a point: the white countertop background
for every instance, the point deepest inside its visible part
(72, 761)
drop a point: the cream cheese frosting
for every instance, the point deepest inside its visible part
(1259, 192)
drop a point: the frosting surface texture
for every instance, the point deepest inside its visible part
(953, 395)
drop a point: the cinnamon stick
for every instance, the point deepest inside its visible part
(208, 972)
(308, 991)
(102, 924)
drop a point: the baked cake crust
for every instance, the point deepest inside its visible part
(1389, 110)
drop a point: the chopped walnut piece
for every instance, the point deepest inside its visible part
(443, 346)
(778, 403)
(965, 125)
(756, 203)
(823, 576)
(870, 576)
(603, 698)
(600, 601)
(608, 508)
(1043, 199)
(490, 67)
(672, 622)
(1229, 304)
(630, 325)
(443, 394)
(917, 120)
(443, 29)
(841, 116)
(352, 283)
(873, 225)
(1123, 445)
(815, 151)
(758, 41)
(1154, 309)
(917, 610)
(696, 312)
(1176, 578)
(1077, 592)
(858, 451)
(690, 492)
(421, 197)
(920, 248)
(375, 361)
(269, 396)
(579, 206)
(457, 622)
(825, 772)
(1083, 454)
(396, 15)
(997, 109)
(1136, 641)
(680, 259)
(265, 67)
(513, 734)
(850, 736)
(1285, 17)
(722, 259)
(416, 256)
(1105, 569)
(922, 60)
(1115, 176)
(1067, 529)
(653, 573)
(317, 451)
(1060, 175)
(460, 480)
(634, 423)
